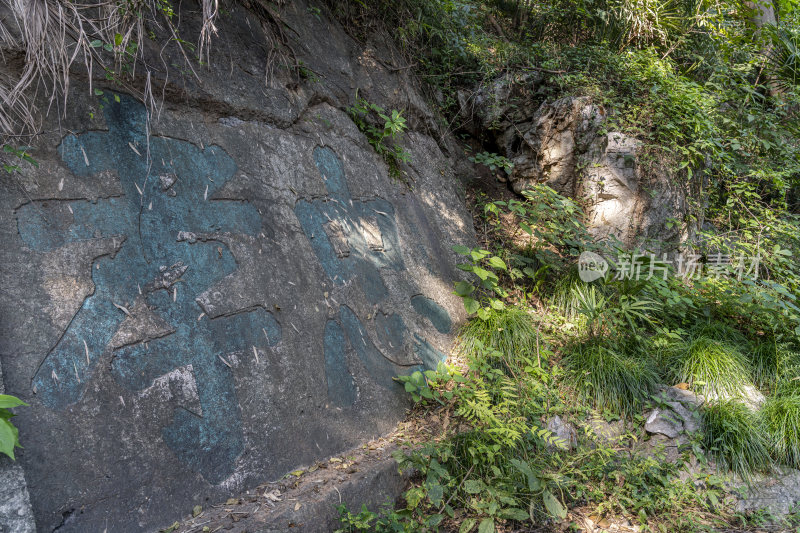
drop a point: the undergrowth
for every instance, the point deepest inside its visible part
(715, 368)
(609, 376)
(781, 418)
(543, 344)
(696, 85)
(735, 438)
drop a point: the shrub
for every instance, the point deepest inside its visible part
(735, 439)
(781, 417)
(608, 377)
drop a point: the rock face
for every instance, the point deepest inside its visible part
(679, 416)
(192, 312)
(564, 431)
(779, 493)
(16, 515)
(562, 144)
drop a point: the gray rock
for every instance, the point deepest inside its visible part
(607, 432)
(690, 417)
(660, 445)
(663, 422)
(564, 431)
(561, 144)
(778, 492)
(16, 515)
(685, 397)
(681, 416)
(753, 397)
(749, 395)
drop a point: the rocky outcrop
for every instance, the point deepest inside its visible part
(778, 493)
(678, 415)
(198, 301)
(563, 143)
(671, 427)
(565, 433)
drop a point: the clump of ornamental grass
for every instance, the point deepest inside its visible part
(720, 332)
(609, 376)
(780, 415)
(770, 359)
(715, 368)
(510, 331)
(764, 359)
(734, 437)
(788, 380)
(566, 296)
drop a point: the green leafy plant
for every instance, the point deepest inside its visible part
(783, 56)
(493, 161)
(387, 520)
(9, 435)
(18, 153)
(382, 129)
(489, 296)
(416, 384)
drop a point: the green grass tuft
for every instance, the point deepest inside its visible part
(781, 417)
(720, 332)
(510, 331)
(735, 439)
(788, 381)
(771, 360)
(565, 296)
(715, 368)
(609, 377)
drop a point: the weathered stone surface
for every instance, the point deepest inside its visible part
(663, 422)
(562, 144)
(557, 136)
(778, 492)
(564, 431)
(749, 395)
(680, 416)
(182, 339)
(307, 500)
(607, 432)
(16, 515)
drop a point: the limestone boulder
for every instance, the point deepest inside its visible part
(563, 143)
